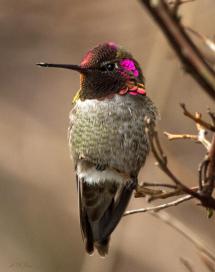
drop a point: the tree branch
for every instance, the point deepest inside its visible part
(198, 119)
(160, 207)
(171, 136)
(205, 190)
(208, 42)
(183, 46)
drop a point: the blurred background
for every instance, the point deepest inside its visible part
(39, 223)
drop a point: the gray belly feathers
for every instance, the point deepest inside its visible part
(111, 132)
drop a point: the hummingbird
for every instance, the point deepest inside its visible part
(107, 138)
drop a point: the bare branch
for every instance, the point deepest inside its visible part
(162, 160)
(142, 191)
(197, 119)
(153, 184)
(179, 2)
(205, 194)
(175, 4)
(200, 138)
(160, 207)
(166, 195)
(183, 46)
(171, 136)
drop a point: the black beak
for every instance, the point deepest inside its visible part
(74, 67)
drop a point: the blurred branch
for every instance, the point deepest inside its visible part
(192, 59)
(207, 41)
(175, 4)
(152, 184)
(183, 230)
(187, 264)
(180, 228)
(210, 264)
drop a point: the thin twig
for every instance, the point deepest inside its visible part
(205, 198)
(142, 191)
(153, 184)
(175, 4)
(180, 2)
(197, 120)
(171, 136)
(160, 207)
(200, 138)
(166, 195)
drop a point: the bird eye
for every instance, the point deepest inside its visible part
(109, 67)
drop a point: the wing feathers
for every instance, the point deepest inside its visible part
(101, 207)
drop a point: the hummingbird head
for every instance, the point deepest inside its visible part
(106, 70)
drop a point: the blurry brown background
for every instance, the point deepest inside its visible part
(39, 225)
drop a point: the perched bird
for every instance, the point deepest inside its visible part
(107, 138)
